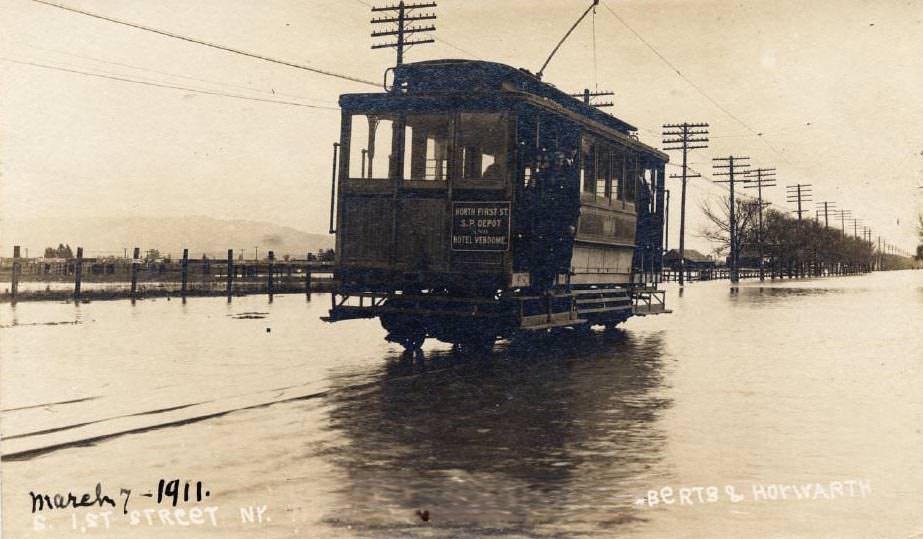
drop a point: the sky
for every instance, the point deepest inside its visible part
(829, 92)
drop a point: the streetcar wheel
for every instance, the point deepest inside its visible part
(411, 341)
(479, 345)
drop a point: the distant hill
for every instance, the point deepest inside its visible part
(169, 235)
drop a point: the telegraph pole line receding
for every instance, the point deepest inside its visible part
(843, 214)
(757, 179)
(733, 167)
(684, 137)
(400, 15)
(798, 193)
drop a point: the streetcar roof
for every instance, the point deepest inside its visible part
(466, 80)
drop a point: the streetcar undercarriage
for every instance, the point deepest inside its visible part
(475, 323)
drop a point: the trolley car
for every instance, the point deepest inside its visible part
(472, 201)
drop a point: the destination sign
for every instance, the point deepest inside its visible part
(480, 226)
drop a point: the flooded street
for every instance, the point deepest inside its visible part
(791, 409)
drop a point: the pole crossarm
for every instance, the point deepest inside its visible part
(735, 168)
(587, 97)
(758, 178)
(404, 28)
(798, 194)
(684, 137)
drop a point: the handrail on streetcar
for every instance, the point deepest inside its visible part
(333, 185)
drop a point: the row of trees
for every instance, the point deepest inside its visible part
(791, 246)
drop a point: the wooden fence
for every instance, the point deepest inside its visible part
(83, 279)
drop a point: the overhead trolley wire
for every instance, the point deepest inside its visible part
(209, 44)
(169, 86)
(695, 86)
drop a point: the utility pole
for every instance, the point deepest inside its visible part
(684, 137)
(827, 205)
(401, 16)
(798, 193)
(843, 214)
(587, 97)
(666, 224)
(879, 253)
(762, 177)
(855, 227)
(733, 167)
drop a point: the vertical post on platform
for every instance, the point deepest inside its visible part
(136, 254)
(14, 284)
(230, 285)
(272, 257)
(184, 274)
(78, 271)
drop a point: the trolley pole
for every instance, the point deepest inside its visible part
(733, 167)
(762, 177)
(684, 137)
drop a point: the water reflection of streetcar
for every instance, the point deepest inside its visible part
(474, 201)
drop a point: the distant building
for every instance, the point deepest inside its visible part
(694, 260)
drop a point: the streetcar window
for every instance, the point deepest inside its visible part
(426, 153)
(588, 170)
(482, 145)
(631, 183)
(618, 175)
(370, 139)
(602, 171)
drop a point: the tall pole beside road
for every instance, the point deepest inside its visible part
(684, 137)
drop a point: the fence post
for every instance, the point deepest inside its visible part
(78, 271)
(307, 275)
(14, 284)
(272, 257)
(136, 254)
(184, 273)
(230, 273)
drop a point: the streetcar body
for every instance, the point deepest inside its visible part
(473, 200)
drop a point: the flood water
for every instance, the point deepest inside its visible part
(788, 409)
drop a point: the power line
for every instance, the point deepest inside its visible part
(139, 68)
(695, 86)
(208, 44)
(675, 69)
(169, 86)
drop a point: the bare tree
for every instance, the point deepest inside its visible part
(718, 212)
